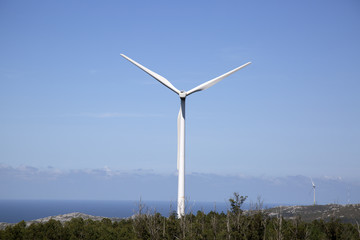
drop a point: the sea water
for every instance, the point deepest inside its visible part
(13, 211)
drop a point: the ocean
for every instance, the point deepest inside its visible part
(13, 211)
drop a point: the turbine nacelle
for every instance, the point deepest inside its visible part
(182, 94)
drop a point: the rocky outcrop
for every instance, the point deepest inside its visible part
(62, 218)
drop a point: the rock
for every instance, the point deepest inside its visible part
(62, 218)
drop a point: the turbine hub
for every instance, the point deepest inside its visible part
(182, 94)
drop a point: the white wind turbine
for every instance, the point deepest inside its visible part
(181, 123)
(313, 185)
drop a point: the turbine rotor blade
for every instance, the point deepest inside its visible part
(161, 79)
(212, 82)
(312, 182)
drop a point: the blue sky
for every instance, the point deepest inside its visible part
(69, 101)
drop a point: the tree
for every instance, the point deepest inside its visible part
(236, 203)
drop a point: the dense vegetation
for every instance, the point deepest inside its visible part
(151, 225)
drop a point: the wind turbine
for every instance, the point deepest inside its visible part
(313, 185)
(181, 123)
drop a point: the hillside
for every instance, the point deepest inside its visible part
(346, 213)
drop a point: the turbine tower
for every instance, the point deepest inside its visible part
(181, 123)
(313, 185)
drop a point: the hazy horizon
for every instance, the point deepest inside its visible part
(107, 184)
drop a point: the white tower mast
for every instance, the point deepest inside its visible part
(181, 124)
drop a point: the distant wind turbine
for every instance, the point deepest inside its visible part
(313, 185)
(181, 123)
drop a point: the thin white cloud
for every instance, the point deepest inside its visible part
(93, 71)
(29, 172)
(117, 115)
